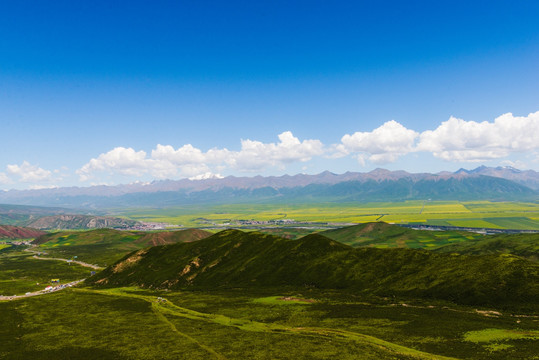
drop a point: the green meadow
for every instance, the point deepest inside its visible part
(502, 215)
(264, 322)
(20, 273)
(128, 323)
(267, 322)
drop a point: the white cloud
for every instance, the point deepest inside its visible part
(41, 187)
(453, 140)
(460, 140)
(207, 175)
(187, 154)
(120, 160)
(29, 173)
(256, 155)
(384, 144)
(4, 179)
(189, 161)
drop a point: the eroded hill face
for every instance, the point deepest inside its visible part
(235, 259)
(17, 232)
(80, 222)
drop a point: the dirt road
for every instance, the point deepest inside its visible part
(41, 292)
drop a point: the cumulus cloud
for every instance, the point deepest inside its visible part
(125, 161)
(384, 144)
(189, 161)
(255, 154)
(460, 140)
(452, 140)
(205, 176)
(29, 173)
(41, 187)
(4, 179)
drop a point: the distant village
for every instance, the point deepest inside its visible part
(150, 226)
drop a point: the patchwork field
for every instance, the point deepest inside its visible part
(502, 215)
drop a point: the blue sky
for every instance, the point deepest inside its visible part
(116, 92)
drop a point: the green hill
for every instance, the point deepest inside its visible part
(232, 258)
(523, 245)
(384, 235)
(105, 246)
(172, 237)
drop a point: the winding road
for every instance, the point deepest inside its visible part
(54, 288)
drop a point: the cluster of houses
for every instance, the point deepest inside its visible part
(52, 288)
(149, 226)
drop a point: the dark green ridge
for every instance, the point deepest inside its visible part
(233, 258)
(523, 245)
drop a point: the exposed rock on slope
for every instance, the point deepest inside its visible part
(17, 232)
(80, 222)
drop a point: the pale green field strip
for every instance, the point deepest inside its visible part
(495, 335)
(168, 308)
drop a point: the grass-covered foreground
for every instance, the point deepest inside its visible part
(248, 295)
(21, 273)
(265, 324)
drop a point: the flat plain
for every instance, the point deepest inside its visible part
(482, 214)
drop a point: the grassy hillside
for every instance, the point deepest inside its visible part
(523, 245)
(105, 246)
(232, 258)
(287, 232)
(256, 296)
(383, 235)
(20, 273)
(102, 246)
(172, 237)
(133, 324)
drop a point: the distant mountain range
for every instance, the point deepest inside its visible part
(482, 183)
(527, 178)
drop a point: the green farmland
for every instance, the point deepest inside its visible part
(483, 214)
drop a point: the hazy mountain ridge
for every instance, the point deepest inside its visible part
(19, 214)
(527, 178)
(378, 185)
